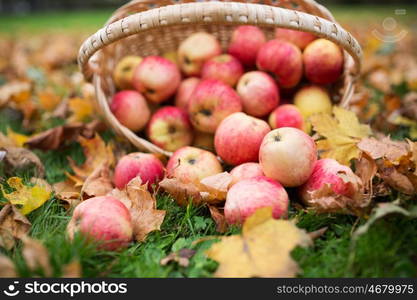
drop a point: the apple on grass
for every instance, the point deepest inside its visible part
(249, 195)
(195, 50)
(245, 43)
(223, 67)
(238, 138)
(288, 155)
(323, 62)
(190, 164)
(170, 128)
(130, 109)
(287, 115)
(282, 59)
(123, 72)
(147, 166)
(185, 90)
(104, 220)
(157, 78)
(210, 103)
(246, 171)
(259, 93)
(299, 38)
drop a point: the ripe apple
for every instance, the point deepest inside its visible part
(246, 171)
(195, 50)
(328, 171)
(102, 219)
(245, 44)
(210, 103)
(190, 164)
(170, 128)
(299, 38)
(185, 90)
(288, 155)
(248, 195)
(283, 59)
(259, 93)
(204, 140)
(131, 109)
(287, 115)
(147, 166)
(223, 67)
(323, 62)
(156, 78)
(312, 100)
(238, 138)
(123, 72)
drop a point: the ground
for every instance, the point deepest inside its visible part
(388, 249)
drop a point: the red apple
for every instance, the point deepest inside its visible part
(246, 171)
(248, 195)
(157, 78)
(329, 172)
(287, 115)
(147, 166)
(284, 60)
(288, 155)
(223, 67)
(323, 62)
(190, 164)
(105, 220)
(238, 138)
(259, 93)
(195, 50)
(211, 102)
(299, 38)
(170, 128)
(245, 44)
(123, 72)
(131, 109)
(185, 90)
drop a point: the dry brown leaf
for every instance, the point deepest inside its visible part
(81, 109)
(72, 270)
(366, 170)
(182, 257)
(142, 206)
(18, 91)
(36, 256)
(13, 225)
(219, 219)
(385, 148)
(68, 193)
(215, 187)
(413, 149)
(99, 183)
(395, 179)
(20, 158)
(183, 193)
(7, 268)
(262, 250)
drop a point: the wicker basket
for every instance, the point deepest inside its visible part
(153, 27)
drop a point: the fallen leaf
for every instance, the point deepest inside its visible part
(72, 270)
(183, 193)
(81, 110)
(68, 193)
(98, 183)
(142, 206)
(20, 158)
(48, 100)
(36, 256)
(7, 268)
(394, 178)
(13, 225)
(215, 187)
(18, 139)
(28, 198)
(413, 149)
(262, 250)
(182, 257)
(219, 219)
(366, 169)
(341, 132)
(18, 91)
(384, 148)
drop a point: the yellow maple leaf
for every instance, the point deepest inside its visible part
(17, 138)
(28, 198)
(262, 250)
(342, 132)
(81, 109)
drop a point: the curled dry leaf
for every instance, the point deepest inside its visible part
(182, 257)
(98, 183)
(28, 198)
(67, 193)
(181, 192)
(142, 206)
(394, 178)
(262, 250)
(342, 132)
(366, 170)
(20, 158)
(214, 188)
(7, 268)
(217, 215)
(36, 256)
(13, 225)
(392, 151)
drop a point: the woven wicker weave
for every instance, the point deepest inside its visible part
(152, 27)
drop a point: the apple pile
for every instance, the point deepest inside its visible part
(204, 105)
